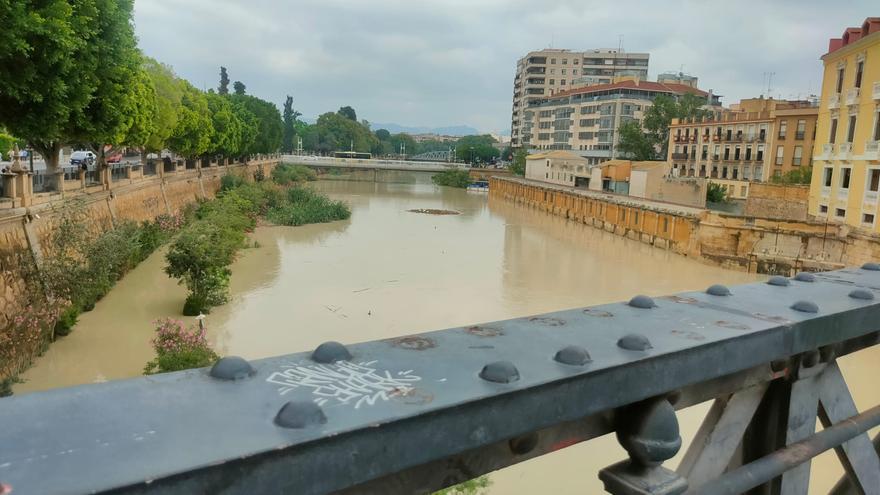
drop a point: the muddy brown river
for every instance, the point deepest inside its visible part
(388, 272)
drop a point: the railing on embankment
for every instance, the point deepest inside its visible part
(418, 413)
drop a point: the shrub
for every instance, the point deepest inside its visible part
(471, 487)
(66, 321)
(452, 178)
(179, 348)
(230, 181)
(284, 174)
(304, 206)
(715, 193)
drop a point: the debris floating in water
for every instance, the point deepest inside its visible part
(432, 211)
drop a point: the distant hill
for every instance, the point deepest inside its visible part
(453, 130)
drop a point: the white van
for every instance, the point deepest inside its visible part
(78, 158)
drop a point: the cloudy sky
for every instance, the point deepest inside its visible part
(450, 62)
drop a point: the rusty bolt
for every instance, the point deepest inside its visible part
(232, 368)
(862, 294)
(805, 307)
(779, 281)
(642, 302)
(874, 267)
(634, 342)
(330, 352)
(805, 277)
(500, 372)
(300, 414)
(574, 355)
(718, 290)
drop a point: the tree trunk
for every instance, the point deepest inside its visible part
(50, 151)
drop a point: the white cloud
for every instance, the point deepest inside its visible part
(452, 61)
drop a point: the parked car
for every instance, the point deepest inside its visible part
(114, 158)
(80, 158)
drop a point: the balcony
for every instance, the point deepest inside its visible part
(875, 94)
(834, 101)
(852, 96)
(827, 151)
(844, 151)
(679, 156)
(872, 150)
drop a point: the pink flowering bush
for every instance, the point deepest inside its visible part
(179, 347)
(170, 224)
(27, 335)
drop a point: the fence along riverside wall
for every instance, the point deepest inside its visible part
(761, 245)
(25, 233)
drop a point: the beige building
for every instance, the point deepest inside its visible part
(752, 141)
(558, 167)
(653, 180)
(846, 165)
(544, 73)
(585, 120)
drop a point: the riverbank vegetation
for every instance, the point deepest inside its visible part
(81, 263)
(201, 255)
(452, 178)
(179, 347)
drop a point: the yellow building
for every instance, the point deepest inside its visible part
(846, 156)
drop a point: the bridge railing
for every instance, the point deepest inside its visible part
(418, 413)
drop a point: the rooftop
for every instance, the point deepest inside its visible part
(851, 35)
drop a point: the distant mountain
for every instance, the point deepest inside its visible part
(454, 130)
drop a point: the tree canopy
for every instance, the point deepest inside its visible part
(223, 89)
(348, 113)
(239, 87)
(650, 141)
(289, 118)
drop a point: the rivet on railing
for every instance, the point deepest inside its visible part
(500, 372)
(300, 414)
(642, 302)
(862, 294)
(573, 355)
(874, 267)
(779, 281)
(718, 290)
(330, 352)
(805, 277)
(634, 342)
(805, 307)
(232, 368)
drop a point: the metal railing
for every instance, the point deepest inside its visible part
(415, 414)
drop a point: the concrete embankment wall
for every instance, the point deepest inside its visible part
(761, 245)
(25, 233)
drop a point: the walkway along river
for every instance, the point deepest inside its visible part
(388, 272)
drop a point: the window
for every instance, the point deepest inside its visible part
(840, 79)
(574, 72)
(798, 154)
(727, 152)
(877, 126)
(705, 153)
(552, 71)
(563, 72)
(565, 61)
(874, 180)
(832, 136)
(801, 129)
(823, 208)
(868, 218)
(574, 62)
(850, 133)
(736, 153)
(844, 177)
(748, 153)
(760, 154)
(552, 81)
(783, 128)
(552, 60)
(826, 177)
(840, 212)
(780, 150)
(859, 67)
(562, 82)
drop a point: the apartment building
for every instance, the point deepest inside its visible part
(544, 73)
(752, 141)
(846, 161)
(558, 167)
(585, 120)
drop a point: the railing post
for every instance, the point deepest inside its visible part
(648, 430)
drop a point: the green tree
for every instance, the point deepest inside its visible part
(518, 166)
(223, 89)
(334, 132)
(270, 128)
(382, 134)
(239, 88)
(192, 134)
(289, 116)
(41, 86)
(348, 113)
(634, 143)
(797, 176)
(664, 109)
(168, 95)
(715, 193)
(476, 148)
(405, 142)
(226, 136)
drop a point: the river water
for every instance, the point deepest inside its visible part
(388, 272)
